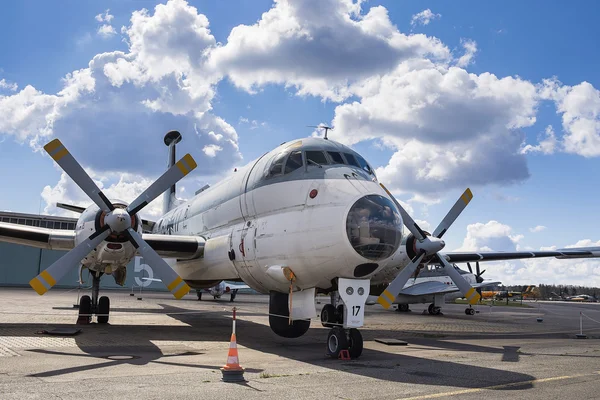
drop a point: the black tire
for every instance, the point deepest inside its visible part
(85, 310)
(431, 309)
(355, 343)
(402, 308)
(278, 321)
(103, 309)
(328, 315)
(336, 342)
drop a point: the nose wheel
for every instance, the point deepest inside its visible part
(470, 311)
(339, 339)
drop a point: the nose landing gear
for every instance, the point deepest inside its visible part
(90, 306)
(346, 317)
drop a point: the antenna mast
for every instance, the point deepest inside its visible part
(322, 127)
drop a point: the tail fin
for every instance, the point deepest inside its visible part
(169, 199)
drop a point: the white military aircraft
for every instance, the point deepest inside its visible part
(306, 217)
(215, 291)
(431, 284)
(219, 290)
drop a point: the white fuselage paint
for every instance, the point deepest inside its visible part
(282, 226)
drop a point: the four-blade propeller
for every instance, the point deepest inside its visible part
(117, 221)
(429, 246)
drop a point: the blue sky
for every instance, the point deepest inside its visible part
(256, 99)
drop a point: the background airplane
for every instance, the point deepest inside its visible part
(307, 217)
(432, 281)
(216, 291)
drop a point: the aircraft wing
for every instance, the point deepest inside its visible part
(583, 252)
(34, 236)
(167, 246)
(433, 287)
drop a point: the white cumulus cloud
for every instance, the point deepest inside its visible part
(105, 30)
(538, 228)
(424, 17)
(318, 46)
(470, 47)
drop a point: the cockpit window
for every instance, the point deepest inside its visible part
(293, 162)
(351, 159)
(316, 157)
(336, 157)
(364, 165)
(276, 167)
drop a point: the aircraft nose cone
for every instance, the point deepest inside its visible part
(374, 227)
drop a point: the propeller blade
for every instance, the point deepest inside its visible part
(389, 294)
(67, 162)
(454, 212)
(180, 169)
(465, 288)
(470, 269)
(408, 221)
(170, 278)
(48, 277)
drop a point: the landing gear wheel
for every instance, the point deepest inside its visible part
(328, 315)
(403, 308)
(355, 343)
(433, 310)
(103, 309)
(336, 342)
(470, 311)
(279, 317)
(85, 310)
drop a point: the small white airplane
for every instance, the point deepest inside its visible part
(431, 284)
(215, 291)
(307, 217)
(219, 290)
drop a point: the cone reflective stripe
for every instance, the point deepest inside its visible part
(233, 362)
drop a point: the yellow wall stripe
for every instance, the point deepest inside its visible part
(38, 286)
(182, 291)
(48, 278)
(174, 284)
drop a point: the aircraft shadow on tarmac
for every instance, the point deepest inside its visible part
(216, 326)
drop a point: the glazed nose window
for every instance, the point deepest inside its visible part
(374, 227)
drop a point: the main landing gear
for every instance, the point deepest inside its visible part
(434, 310)
(338, 338)
(89, 306)
(470, 311)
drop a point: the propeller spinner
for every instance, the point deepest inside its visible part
(427, 246)
(116, 221)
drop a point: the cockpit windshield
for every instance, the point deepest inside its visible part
(293, 158)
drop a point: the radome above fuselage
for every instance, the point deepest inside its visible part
(312, 205)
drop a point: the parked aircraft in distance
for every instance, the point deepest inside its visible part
(307, 217)
(432, 284)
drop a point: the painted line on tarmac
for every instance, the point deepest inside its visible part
(495, 387)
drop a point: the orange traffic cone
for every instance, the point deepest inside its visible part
(233, 371)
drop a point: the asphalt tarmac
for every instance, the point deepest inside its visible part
(161, 348)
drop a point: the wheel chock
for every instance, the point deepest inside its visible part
(344, 355)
